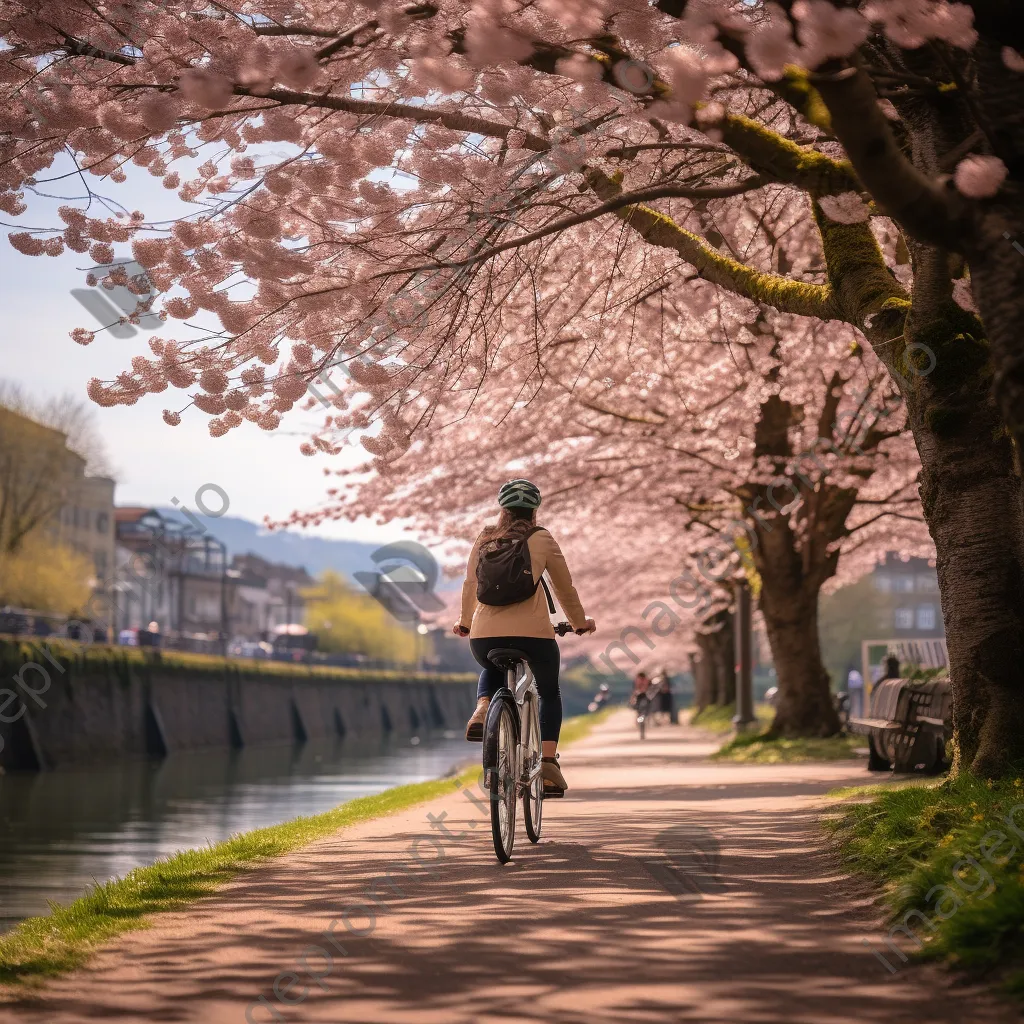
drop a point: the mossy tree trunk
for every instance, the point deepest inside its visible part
(973, 500)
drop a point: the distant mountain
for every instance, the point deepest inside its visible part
(314, 554)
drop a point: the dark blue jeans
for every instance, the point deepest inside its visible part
(543, 657)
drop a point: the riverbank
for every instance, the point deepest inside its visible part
(71, 704)
(53, 944)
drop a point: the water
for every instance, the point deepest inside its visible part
(60, 831)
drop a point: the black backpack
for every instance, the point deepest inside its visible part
(504, 573)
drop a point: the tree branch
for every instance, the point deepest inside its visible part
(918, 203)
(782, 293)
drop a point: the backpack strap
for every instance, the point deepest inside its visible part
(547, 593)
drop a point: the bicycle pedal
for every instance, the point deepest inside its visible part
(554, 794)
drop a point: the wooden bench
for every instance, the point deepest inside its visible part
(908, 725)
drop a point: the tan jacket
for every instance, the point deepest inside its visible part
(530, 617)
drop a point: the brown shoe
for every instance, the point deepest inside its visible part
(554, 782)
(475, 726)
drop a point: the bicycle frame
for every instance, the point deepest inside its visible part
(524, 693)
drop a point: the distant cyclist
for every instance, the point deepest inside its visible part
(641, 684)
(525, 624)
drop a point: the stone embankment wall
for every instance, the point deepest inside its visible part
(65, 706)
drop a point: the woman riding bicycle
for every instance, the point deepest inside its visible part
(641, 684)
(524, 625)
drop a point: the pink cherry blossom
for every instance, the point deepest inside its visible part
(980, 177)
(846, 208)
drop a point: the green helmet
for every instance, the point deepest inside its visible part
(519, 494)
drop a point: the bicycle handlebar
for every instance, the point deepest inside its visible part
(564, 627)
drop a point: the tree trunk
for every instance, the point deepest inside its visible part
(707, 669)
(702, 696)
(974, 505)
(972, 499)
(715, 640)
(995, 248)
(997, 281)
(804, 706)
(725, 660)
(792, 571)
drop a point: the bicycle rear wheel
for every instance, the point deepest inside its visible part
(503, 785)
(533, 794)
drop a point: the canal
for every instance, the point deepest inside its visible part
(62, 830)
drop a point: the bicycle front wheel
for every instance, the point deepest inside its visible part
(503, 786)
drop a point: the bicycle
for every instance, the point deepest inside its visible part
(512, 750)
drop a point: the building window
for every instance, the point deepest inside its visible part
(883, 582)
(926, 616)
(904, 618)
(927, 584)
(102, 522)
(904, 584)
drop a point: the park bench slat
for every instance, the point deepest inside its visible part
(867, 724)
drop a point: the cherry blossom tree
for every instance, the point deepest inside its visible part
(686, 453)
(521, 142)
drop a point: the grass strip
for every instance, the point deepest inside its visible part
(55, 943)
(122, 661)
(950, 859)
(574, 729)
(757, 748)
(718, 718)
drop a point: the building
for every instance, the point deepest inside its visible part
(86, 524)
(907, 599)
(175, 575)
(49, 485)
(178, 576)
(268, 594)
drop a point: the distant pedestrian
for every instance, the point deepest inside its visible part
(855, 688)
(892, 667)
(664, 694)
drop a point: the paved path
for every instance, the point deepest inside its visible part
(666, 889)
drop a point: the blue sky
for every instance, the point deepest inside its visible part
(263, 474)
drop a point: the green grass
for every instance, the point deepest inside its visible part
(56, 943)
(718, 717)
(756, 748)
(910, 838)
(574, 729)
(121, 661)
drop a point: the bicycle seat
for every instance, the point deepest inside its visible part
(506, 657)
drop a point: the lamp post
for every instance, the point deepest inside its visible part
(744, 718)
(422, 630)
